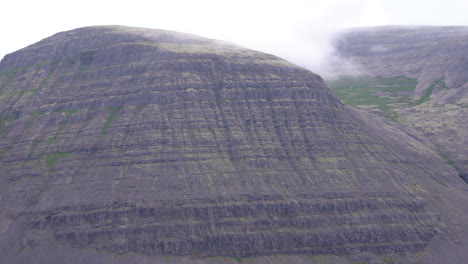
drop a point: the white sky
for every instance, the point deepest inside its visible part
(297, 30)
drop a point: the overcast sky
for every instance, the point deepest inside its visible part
(297, 30)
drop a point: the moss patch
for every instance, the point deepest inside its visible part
(86, 59)
(427, 94)
(239, 260)
(389, 261)
(113, 114)
(33, 119)
(52, 68)
(68, 112)
(10, 78)
(450, 161)
(20, 249)
(53, 157)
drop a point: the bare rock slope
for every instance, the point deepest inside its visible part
(417, 75)
(126, 145)
(426, 53)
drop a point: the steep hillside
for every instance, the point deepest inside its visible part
(428, 54)
(128, 145)
(417, 76)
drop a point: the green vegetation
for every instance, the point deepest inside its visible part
(441, 83)
(450, 161)
(34, 116)
(20, 249)
(113, 113)
(21, 92)
(86, 58)
(49, 160)
(10, 78)
(53, 67)
(36, 143)
(69, 62)
(39, 65)
(55, 138)
(2, 127)
(427, 94)
(52, 140)
(140, 107)
(383, 94)
(53, 157)
(69, 112)
(375, 92)
(389, 261)
(240, 260)
(6, 119)
(3, 151)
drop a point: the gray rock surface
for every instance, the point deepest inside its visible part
(128, 145)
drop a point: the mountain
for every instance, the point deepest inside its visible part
(130, 145)
(416, 75)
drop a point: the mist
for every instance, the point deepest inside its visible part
(299, 31)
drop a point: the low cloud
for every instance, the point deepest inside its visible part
(297, 30)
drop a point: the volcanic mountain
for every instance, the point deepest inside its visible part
(416, 75)
(130, 145)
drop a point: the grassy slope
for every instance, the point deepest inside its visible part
(382, 94)
(390, 97)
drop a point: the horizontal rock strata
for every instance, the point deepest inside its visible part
(160, 143)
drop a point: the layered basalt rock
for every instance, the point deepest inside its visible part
(132, 140)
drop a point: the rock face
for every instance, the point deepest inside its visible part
(436, 58)
(128, 140)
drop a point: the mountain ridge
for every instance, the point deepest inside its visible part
(203, 151)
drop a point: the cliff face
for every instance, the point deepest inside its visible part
(128, 140)
(418, 76)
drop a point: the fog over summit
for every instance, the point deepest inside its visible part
(296, 30)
